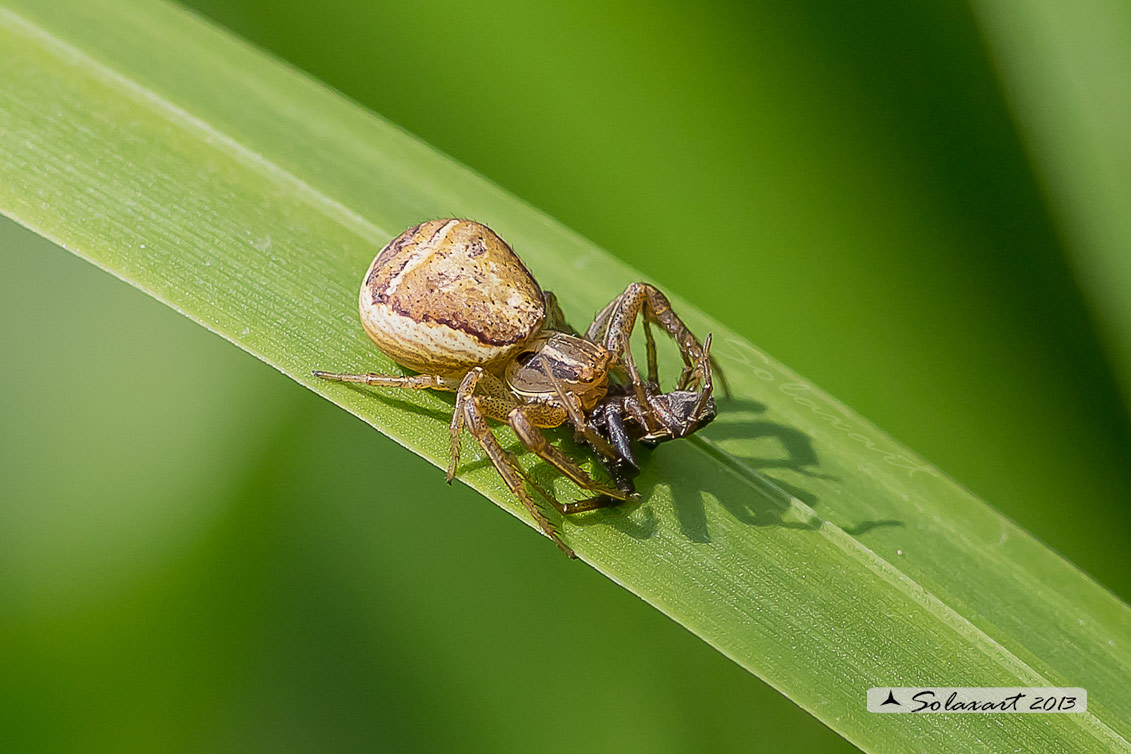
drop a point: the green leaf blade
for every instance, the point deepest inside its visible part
(251, 199)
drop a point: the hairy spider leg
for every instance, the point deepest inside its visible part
(577, 418)
(707, 384)
(412, 382)
(537, 443)
(579, 506)
(613, 326)
(600, 324)
(469, 412)
(524, 418)
(650, 348)
(555, 318)
(495, 403)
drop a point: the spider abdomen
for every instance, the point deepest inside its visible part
(447, 295)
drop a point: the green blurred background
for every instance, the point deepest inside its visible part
(844, 185)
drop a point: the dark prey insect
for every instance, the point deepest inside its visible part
(621, 420)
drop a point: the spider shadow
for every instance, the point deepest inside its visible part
(751, 442)
(761, 453)
(747, 439)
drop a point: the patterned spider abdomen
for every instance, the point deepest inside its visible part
(448, 295)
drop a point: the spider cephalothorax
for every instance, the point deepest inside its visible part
(450, 299)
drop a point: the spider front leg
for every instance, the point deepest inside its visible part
(471, 412)
(555, 319)
(524, 420)
(613, 329)
(496, 402)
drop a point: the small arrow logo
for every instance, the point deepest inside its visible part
(890, 700)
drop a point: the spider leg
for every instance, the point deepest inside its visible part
(612, 327)
(580, 506)
(597, 502)
(471, 407)
(577, 417)
(413, 382)
(706, 381)
(642, 298)
(496, 403)
(615, 324)
(706, 366)
(522, 420)
(650, 345)
(555, 319)
(621, 470)
(597, 330)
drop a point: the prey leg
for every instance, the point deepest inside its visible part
(537, 443)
